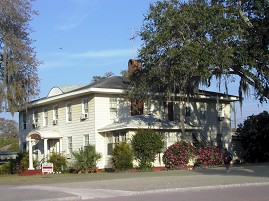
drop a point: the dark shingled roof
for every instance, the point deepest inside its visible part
(115, 82)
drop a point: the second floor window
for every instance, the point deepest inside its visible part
(35, 116)
(85, 106)
(113, 108)
(68, 112)
(45, 117)
(55, 112)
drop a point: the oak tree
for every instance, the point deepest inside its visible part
(189, 43)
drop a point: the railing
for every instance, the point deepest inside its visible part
(200, 140)
(40, 163)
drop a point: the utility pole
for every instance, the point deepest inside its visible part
(132, 38)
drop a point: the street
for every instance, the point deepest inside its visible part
(249, 182)
(243, 193)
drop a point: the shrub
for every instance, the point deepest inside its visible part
(177, 155)
(59, 162)
(209, 156)
(146, 144)
(86, 159)
(5, 169)
(123, 156)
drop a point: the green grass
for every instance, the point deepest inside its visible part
(66, 178)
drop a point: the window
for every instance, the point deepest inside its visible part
(113, 109)
(70, 147)
(35, 116)
(85, 108)
(55, 112)
(220, 110)
(188, 111)
(45, 117)
(137, 107)
(68, 112)
(86, 140)
(114, 139)
(172, 111)
(24, 120)
(202, 111)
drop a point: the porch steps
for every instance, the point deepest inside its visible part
(31, 172)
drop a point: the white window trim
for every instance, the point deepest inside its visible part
(86, 142)
(83, 110)
(55, 117)
(45, 117)
(67, 112)
(35, 116)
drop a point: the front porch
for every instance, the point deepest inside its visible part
(41, 144)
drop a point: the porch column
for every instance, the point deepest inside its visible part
(58, 147)
(30, 149)
(61, 145)
(45, 149)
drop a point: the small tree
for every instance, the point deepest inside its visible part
(146, 144)
(86, 159)
(123, 156)
(254, 135)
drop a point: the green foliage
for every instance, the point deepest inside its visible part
(6, 168)
(187, 43)
(9, 135)
(86, 159)
(209, 156)
(146, 145)
(123, 156)
(59, 162)
(254, 135)
(97, 78)
(178, 155)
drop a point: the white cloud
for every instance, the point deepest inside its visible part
(73, 21)
(55, 60)
(104, 53)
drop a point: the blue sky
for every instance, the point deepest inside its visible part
(78, 39)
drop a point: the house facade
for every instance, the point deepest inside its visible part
(72, 117)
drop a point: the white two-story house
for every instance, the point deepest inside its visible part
(72, 117)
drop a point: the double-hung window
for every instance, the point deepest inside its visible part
(86, 140)
(68, 112)
(113, 109)
(55, 112)
(35, 119)
(45, 117)
(85, 108)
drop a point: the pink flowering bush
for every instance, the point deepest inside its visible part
(209, 156)
(177, 155)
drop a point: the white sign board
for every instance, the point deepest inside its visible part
(47, 168)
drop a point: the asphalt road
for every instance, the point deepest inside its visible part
(258, 192)
(243, 183)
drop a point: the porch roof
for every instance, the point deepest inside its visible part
(145, 122)
(53, 134)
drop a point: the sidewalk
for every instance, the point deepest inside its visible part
(104, 185)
